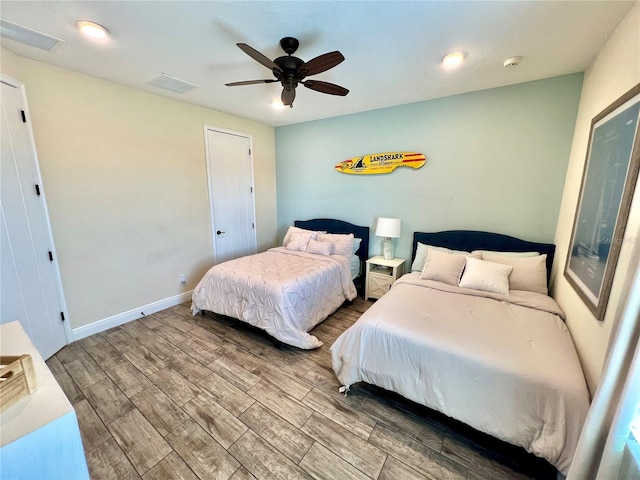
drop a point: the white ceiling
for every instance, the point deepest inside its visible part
(392, 48)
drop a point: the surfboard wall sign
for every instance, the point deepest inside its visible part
(376, 163)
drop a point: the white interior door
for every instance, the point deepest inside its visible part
(30, 288)
(231, 196)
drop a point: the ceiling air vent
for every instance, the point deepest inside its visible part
(28, 36)
(172, 83)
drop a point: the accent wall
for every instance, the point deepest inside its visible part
(496, 161)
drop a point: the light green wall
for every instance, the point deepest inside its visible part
(496, 161)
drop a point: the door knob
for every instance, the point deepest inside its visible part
(219, 232)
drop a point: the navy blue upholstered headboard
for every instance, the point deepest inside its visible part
(339, 226)
(469, 240)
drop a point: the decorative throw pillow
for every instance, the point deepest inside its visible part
(342, 243)
(300, 240)
(421, 255)
(293, 229)
(319, 247)
(486, 276)
(444, 267)
(529, 273)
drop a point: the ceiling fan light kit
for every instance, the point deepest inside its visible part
(291, 71)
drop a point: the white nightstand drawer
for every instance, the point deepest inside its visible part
(379, 285)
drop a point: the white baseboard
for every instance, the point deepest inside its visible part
(124, 317)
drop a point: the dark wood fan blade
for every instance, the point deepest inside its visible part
(321, 64)
(325, 87)
(249, 82)
(258, 57)
(288, 96)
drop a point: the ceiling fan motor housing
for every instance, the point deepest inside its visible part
(291, 71)
(289, 45)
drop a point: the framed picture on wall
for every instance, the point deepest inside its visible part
(608, 183)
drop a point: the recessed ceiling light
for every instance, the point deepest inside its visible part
(453, 59)
(92, 29)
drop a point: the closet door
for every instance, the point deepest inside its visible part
(230, 171)
(30, 288)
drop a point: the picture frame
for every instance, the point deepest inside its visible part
(608, 183)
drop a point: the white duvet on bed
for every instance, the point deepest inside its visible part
(284, 292)
(504, 364)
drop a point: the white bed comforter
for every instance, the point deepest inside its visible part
(284, 292)
(504, 364)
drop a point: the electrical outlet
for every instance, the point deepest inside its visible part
(183, 278)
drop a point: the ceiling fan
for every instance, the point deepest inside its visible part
(291, 71)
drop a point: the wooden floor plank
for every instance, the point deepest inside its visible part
(92, 430)
(201, 452)
(107, 400)
(264, 461)
(218, 422)
(334, 406)
(323, 464)
(162, 412)
(130, 380)
(276, 431)
(187, 366)
(84, 371)
(178, 388)
(218, 399)
(171, 467)
(226, 394)
(426, 461)
(234, 373)
(280, 403)
(110, 463)
(349, 446)
(139, 441)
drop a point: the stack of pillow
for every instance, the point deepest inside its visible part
(485, 270)
(321, 243)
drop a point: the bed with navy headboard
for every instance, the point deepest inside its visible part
(288, 290)
(471, 332)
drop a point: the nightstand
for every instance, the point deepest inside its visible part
(381, 274)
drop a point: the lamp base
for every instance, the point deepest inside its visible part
(387, 248)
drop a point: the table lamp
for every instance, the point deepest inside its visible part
(388, 228)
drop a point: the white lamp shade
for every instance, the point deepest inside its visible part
(388, 227)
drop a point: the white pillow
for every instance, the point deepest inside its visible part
(293, 229)
(356, 245)
(319, 247)
(354, 265)
(421, 255)
(342, 243)
(444, 267)
(300, 240)
(508, 254)
(486, 276)
(529, 273)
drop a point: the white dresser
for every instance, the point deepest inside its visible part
(39, 434)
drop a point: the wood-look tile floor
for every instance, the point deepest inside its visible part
(177, 396)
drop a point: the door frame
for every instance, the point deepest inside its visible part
(212, 220)
(52, 246)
